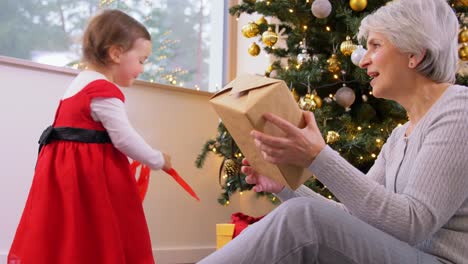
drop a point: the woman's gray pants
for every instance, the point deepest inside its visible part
(305, 230)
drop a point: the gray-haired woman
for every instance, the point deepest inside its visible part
(412, 206)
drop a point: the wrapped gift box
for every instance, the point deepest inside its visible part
(224, 234)
(241, 105)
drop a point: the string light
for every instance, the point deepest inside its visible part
(359, 128)
(327, 28)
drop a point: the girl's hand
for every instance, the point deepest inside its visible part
(262, 183)
(167, 162)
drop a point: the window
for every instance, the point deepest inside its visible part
(187, 35)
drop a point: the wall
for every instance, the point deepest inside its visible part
(172, 119)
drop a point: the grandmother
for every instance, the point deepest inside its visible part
(412, 206)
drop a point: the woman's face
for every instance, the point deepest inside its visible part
(386, 65)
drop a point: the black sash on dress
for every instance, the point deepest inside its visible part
(73, 134)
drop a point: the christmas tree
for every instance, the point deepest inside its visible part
(315, 52)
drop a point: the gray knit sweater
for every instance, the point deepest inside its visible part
(417, 190)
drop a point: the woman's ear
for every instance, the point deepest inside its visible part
(415, 59)
(114, 53)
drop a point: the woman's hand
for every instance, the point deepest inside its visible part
(167, 162)
(262, 183)
(298, 147)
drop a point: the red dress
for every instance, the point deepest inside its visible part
(83, 206)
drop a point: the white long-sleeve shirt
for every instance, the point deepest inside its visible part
(417, 190)
(113, 116)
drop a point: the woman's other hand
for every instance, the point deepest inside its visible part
(262, 183)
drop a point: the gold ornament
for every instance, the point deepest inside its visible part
(461, 3)
(358, 5)
(262, 21)
(332, 137)
(231, 168)
(463, 52)
(345, 97)
(463, 36)
(295, 95)
(270, 68)
(269, 37)
(318, 101)
(347, 47)
(333, 64)
(254, 49)
(307, 102)
(250, 30)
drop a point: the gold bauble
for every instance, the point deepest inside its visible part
(461, 3)
(307, 102)
(254, 49)
(332, 136)
(347, 47)
(463, 52)
(358, 5)
(318, 101)
(269, 37)
(250, 30)
(463, 36)
(333, 64)
(295, 95)
(262, 21)
(270, 68)
(231, 168)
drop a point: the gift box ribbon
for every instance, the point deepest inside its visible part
(143, 179)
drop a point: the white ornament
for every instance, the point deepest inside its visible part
(345, 97)
(303, 56)
(462, 68)
(358, 54)
(321, 8)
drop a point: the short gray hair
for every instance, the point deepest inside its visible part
(415, 26)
